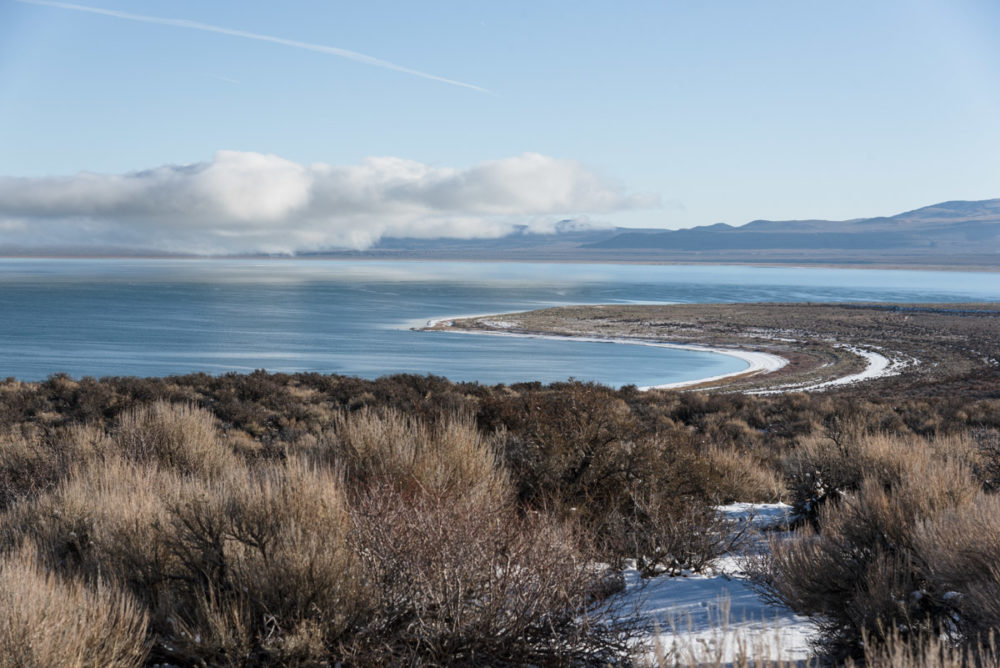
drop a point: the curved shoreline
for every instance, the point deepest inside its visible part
(758, 363)
(864, 348)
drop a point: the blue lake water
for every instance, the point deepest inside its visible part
(158, 317)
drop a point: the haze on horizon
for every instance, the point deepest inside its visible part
(242, 127)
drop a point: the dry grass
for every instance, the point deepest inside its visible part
(860, 575)
(743, 477)
(56, 622)
(416, 554)
(449, 458)
(32, 462)
(238, 566)
(176, 436)
(928, 651)
(264, 567)
(308, 534)
(826, 466)
(720, 641)
(960, 561)
(106, 518)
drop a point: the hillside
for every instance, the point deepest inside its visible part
(946, 228)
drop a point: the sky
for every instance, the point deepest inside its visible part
(254, 125)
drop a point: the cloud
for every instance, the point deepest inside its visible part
(206, 27)
(250, 202)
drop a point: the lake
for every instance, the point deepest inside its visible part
(142, 317)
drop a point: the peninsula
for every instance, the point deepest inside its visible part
(868, 348)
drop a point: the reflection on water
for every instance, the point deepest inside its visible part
(157, 317)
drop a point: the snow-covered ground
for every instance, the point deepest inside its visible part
(716, 617)
(877, 365)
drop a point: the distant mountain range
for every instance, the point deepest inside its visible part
(964, 226)
(950, 233)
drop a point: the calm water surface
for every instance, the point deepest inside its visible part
(159, 317)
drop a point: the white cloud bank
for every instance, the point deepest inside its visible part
(243, 202)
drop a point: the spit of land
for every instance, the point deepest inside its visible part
(865, 348)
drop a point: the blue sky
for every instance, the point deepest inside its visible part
(688, 113)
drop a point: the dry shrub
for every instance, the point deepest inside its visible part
(265, 569)
(568, 446)
(175, 436)
(459, 581)
(960, 560)
(451, 457)
(33, 462)
(988, 463)
(741, 476)
(664, 534)
(860, 575)
(26, 467)
(580, 451)
(653, 501)
(105, 519)
(252, 564)
(825, 467)
(57, 622)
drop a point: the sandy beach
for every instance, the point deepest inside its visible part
(757, 362)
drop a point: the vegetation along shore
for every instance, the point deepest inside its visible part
(310, 519)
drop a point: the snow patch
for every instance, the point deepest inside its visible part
(716, 617)
(877, 365)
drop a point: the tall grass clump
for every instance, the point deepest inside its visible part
(49, 620)
(455, 573)
(928, 651)
(960, 562)
(264, 568)
(176, 436)
(254, 565)
(106, 518)
(823, 467)
(450, 457)
(741, 476)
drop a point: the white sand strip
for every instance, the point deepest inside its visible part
(450, 320)
(757, 362)
(877, 366)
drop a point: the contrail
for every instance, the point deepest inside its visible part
(205, 27)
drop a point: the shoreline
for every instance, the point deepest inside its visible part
(758, 363)
(787, 347)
